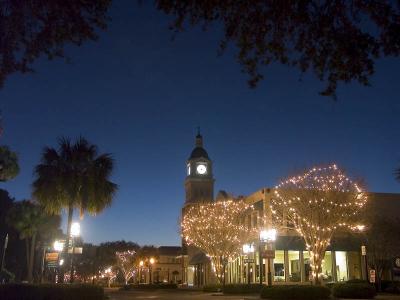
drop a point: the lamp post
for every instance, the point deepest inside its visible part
(152, 261)
(361, 229)
(141, 263)
(247, 249)
(58, 246)
(75, 231)
(269, 236)
(4, 253)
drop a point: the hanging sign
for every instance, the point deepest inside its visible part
(372, 276)
(363, 250)
(268, 254)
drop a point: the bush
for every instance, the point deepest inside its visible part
(48, 291)
(356, 281)
(295, 292)
(212, 288)
(354, 290)
(242, 289)
(149, 286)
(6, 276)
(393, 287)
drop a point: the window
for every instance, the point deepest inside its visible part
(279, 266)
(327, 267)
(341, 265)
(294, 266)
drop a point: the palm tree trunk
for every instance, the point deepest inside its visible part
(31, 258)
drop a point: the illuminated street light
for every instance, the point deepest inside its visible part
(75, 232)
(141, 263)
(75, 229)
(152, 261)
(61, 262)
(268, 235)
(58, 246)
(247, 249)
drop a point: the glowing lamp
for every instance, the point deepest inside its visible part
(268, 235)
(58, 246)
(248, 248)
(75, 229)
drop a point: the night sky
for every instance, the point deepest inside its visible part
(140, 95)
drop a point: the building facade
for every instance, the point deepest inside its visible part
(290, 261)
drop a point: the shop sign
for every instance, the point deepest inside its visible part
(248, 260)
(363, 250)
(269, 254)
(372, 276)
(51, 259)
(51, 256)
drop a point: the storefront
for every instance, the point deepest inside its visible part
(291, 264)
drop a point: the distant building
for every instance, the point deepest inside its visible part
(168, 267)
(291, 264)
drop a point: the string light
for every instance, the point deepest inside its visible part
(219, 230)
(126, 263)
(316, 205)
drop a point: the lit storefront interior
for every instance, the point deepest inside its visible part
(293, 267)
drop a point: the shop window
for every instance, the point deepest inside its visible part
(279, 266)
(294, 266)
(327, 267)
(354, 265)
(341, 266)
(307, 266)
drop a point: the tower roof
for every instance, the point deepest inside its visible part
(199, 151)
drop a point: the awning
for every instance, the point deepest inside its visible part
(199, 258)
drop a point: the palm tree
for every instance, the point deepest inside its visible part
(74, 176)
(397, 173)
(29, 219)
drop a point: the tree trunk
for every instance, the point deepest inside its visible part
(223, 274)
(317, 255)
(27, 258)
(31, 258)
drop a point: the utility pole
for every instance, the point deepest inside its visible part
(4, 253)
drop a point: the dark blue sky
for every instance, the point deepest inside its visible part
(140, 95)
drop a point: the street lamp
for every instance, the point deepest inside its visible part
(268, 236)
(141, 263)
(75, 229)
(75, 232)
(361, 228)
(152, 261)
(58, 246)
(247, 249)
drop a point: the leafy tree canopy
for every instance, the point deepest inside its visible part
(29, 29)
(338, 40)
(8, 164)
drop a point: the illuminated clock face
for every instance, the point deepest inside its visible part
(397, 262)
(201, 169)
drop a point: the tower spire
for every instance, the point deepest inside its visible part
(199, 138)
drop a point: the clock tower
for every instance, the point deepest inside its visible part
(199, 182)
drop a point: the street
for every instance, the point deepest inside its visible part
(171, 294)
